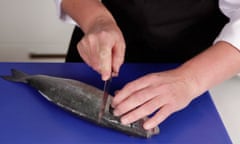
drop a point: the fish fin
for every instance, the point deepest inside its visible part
(17, 76)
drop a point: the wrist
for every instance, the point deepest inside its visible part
(211, 67)
(86, 12)
(190, 80)
(99, 23)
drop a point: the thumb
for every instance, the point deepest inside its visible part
(117, 58)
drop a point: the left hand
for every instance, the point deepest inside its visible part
(166, 92)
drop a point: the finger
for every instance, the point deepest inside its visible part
(116, 92)
(82, 47)
(159, 117)
(143, 111)
(118, 57)
(93, 51)
(105, 63)
(136, 99)
(105, 55)
(88, 47)
(129, 89)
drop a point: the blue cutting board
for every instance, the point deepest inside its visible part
(28, 118)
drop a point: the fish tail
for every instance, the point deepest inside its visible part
(17, 76)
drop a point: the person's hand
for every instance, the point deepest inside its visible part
(103, 48)
(164, 92)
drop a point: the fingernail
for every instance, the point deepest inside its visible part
(113, 105)
(104, 77)
(116, 112)
(124, 121)
(147, 126)
(116, 92)
(114, 74)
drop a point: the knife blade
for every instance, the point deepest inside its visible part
(105, 98)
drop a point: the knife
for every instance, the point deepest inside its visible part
(105, 98)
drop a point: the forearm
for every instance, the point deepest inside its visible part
(216, 64)
(86, 12)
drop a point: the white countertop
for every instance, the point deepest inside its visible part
(226, 97)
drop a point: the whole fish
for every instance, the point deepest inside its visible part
(81, 99)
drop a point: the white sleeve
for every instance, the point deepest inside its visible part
(62, 15)
(231, 31)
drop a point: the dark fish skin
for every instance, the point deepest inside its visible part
(81, 99)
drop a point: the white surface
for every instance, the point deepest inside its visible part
(31, 26)
(226, 97)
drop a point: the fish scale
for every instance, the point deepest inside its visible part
(81, 99)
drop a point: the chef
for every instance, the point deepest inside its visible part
(203, 35)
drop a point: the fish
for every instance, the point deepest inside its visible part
(81, 99)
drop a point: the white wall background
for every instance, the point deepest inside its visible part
(31, 26)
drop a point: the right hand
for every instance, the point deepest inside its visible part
(103, 48)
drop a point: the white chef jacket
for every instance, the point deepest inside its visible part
(230, 33)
